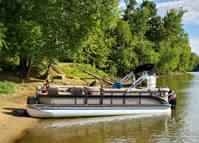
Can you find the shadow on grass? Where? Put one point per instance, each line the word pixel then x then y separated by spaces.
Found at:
pixel 19 112
pixel 9 76
pixel 13 77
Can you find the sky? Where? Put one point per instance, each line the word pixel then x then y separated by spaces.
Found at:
pixel 190 19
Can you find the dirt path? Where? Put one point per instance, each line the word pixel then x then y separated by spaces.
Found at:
pixel 11 125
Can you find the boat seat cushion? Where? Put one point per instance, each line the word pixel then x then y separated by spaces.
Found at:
pixel 52 91
pixel 77 91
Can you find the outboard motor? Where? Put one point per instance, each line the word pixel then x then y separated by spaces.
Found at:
pixel 172 99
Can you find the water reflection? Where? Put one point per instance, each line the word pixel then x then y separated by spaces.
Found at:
pixel 145 129
pixel 181 127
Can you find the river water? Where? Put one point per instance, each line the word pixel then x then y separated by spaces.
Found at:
pixel 181 127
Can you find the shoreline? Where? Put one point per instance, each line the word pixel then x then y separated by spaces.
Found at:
pixel 12 127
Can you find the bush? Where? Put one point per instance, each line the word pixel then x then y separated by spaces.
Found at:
pixel 7 87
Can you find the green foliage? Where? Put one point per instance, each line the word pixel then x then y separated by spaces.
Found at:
pixel 76 70
pixel 29 40
pixel 172 23
pixel 174 46
pixel 2 35
pixel 169 57
pixel 37 33
pixel 3 43
pixel 122 57
pixel 185 54
pixel 7 87
pixel 155 32
pixel 95 50
pixel 194 62
pixel 130 7
pixel 149 8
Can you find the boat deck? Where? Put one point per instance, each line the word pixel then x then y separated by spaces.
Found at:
pixel 95 105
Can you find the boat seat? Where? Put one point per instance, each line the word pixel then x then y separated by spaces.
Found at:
pixel 93 90
pixel 52 91
pixel 77 91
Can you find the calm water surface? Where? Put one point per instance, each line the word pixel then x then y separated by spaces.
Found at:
pixel 182 127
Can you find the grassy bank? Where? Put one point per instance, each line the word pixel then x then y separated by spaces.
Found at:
pixel 7 87
pixel 74 73
pixel 77 70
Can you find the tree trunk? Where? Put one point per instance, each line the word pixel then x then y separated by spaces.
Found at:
pixel 24 67
pixel 29 66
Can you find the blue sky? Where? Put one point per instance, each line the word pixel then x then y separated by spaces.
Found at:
pixel 190 19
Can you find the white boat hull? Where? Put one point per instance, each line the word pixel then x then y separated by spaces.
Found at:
pixel 96 111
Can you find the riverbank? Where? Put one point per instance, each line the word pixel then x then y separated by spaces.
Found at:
pixel 12 125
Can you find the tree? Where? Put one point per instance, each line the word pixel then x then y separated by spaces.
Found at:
pixel 155 33
pixel 2 36
pixel 194 62
pixel 185 53
pixel 3 44
pixel 123 56
pixel 174 48
pixel 63 26
pixel 172 23
pixel 33 32
pixel 95 49
pixel 149 7
pixel 145 52
pixel 169 56
pixel 29 45
pixel 96 42
pixel 130 7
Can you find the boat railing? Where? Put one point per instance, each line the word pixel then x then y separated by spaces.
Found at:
pixel 101 100
pixel 106 97
pixel 91 91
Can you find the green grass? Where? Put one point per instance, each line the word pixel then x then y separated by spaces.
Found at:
pixel 75 70
pixel 7 87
